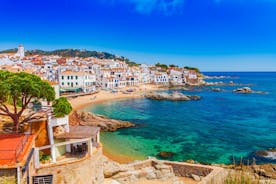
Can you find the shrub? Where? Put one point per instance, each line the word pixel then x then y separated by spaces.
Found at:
pixel 61 107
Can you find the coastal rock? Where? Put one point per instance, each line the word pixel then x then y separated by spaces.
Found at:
pixel 139 170
pixel 261 153
pixel 105 123
pixel 175 96
pixel 246 90
pixel 166 154
pixel 190 161
pixel 216 89
pixel 196 177
pixel 112 168
pixel 243 90
pixel 265 170
pixel 269 154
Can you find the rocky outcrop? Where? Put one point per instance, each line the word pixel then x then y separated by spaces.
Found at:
pixel 175 96
pixel 243 90
pixel 216 89
pixel 269 154
pixel 166 154
pixel 221 83
pixel 145 170
pixel 266 170
pixel 247 90
pixel 105 123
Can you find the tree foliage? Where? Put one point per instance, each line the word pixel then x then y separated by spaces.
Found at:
pixel 163 66
pixel 18 90
pixel 61 107
pixel 173 66
pixel 192 68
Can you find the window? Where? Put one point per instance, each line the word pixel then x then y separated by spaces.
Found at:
pixel 62 77
pixel 77 84
pixel 76 77
pixel 62 83
pixel 68 77
pixel 72 77
pixel 68 83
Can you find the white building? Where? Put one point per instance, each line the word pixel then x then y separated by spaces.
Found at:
pixel 160 78
pixel 176 77
pixel 77 80
pixel 20 52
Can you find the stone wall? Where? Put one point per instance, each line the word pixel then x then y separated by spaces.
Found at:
pixel 7 176
pixel 141 170
pixel 186 170
pixel 88 170
pixel 205 174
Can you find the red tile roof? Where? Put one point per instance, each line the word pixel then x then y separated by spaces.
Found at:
pixel 14 148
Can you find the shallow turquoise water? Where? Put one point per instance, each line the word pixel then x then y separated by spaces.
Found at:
pixel 213 130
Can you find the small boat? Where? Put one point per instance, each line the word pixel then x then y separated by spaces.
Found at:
pixel 130 90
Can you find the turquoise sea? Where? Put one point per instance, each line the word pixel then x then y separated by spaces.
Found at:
pixel 219 127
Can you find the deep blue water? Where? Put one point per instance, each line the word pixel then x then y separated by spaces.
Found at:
pixel 220 126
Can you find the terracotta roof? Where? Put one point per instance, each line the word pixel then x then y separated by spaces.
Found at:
pixel 79 132
pixel 74 73
pixel 14 148
pixel 51 82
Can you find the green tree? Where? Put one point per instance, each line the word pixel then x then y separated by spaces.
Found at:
pixel 61 107
pixel 17 90
pixel 173 66
pixel 163 66
pixel 192 68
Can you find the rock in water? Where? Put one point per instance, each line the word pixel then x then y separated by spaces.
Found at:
pixel 89 119
pixel 166 154
pixel 175 96
pixel 243 90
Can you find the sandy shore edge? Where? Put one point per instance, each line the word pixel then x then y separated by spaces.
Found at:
pixel 106 96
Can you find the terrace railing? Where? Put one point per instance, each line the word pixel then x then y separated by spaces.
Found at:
pixel 13 154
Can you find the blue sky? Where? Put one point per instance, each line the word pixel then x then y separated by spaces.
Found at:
pixel 214 35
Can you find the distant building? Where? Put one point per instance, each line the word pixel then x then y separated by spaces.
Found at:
pixel 61 61
pixel 20 52
pixel 160 78
pixel 82 81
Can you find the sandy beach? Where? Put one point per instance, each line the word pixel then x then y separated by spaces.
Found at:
pixel 105 96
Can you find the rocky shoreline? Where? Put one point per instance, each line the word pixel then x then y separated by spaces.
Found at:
pixel 175 96
pixel 247 90
pixel 106 124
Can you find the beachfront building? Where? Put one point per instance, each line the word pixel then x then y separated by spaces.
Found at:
pixel 77 81
pixel 113 82
pixel 160 78
pixel 176 76
pixel 191 77
pixel 145 74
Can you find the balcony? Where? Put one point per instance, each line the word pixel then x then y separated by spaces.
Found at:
pixel 59 121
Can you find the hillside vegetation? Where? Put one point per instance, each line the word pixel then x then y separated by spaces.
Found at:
pixel 74 53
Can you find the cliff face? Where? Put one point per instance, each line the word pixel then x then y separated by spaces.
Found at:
pixel 89 119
